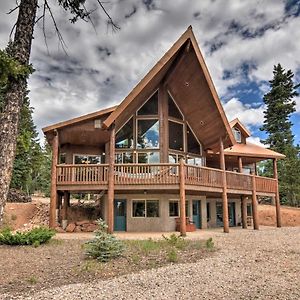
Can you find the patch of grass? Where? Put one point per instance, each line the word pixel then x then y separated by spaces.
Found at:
pixel 56 242
pixel 172 255
pixel 210 244
pixel 13 217
pixel 32 280
pixel 90 266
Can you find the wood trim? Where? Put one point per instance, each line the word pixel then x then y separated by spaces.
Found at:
pixel 163 124
pixel 241 127
pixel 53 196
pixel 277 199
pixel 240 162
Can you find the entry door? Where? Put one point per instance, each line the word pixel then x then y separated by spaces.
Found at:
pixel 231 213
pixel 120 215
pixel 197 213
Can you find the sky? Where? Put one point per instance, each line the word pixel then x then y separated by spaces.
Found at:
pixel 241 41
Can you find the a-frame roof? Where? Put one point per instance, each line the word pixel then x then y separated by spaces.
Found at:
pixel 161 67
pixel 246 133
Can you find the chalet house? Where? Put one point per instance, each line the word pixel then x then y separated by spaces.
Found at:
pixel 165 158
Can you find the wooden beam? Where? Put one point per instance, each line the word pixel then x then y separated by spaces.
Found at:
pixel 53 195
pixel 65 205
pixel 277 199
pixel 244 211
pixel 182 198
pixel 224 193
pixel 254 204
pixel 111 177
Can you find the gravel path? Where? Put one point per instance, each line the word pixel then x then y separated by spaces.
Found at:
pixel 250 264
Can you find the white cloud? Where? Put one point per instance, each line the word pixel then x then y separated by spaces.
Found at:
pixel 249 116
pixel 256 140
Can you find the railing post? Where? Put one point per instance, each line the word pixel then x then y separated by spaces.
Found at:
pixel 182 198
pixel 111 177
pixel 64 218
pixel 277 199
pixel 224 193
pixel 254 204
pixel 53 195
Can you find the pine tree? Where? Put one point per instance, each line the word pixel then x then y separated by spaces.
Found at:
pixel 280 105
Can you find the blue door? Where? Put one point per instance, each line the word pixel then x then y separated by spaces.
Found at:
pixel 197 213
pixel 120 215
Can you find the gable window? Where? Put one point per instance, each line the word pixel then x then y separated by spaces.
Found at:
pixel 147 134
pixel 150 107
pixel 176 136
pixel 124 137
pixel 145 208
pixel 237 134
pixel 193 145
pixel 173 109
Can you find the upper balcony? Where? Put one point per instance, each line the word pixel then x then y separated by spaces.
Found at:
pixel 160 177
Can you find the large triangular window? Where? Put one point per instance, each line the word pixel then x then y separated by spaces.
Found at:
pixel 124 137
pixel 193 145
pixel 173 109
pixel 150 107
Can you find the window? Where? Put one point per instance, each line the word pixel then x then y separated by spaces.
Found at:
pixel 124 137
pixel 124 158
pixel 173 109
pixel 62 158
pixel 196 161
pixel 193 145
pixel 175 136
pixel 148 157
pixel 237 134
pixel 87 159
pixel 145 208
pixel 148 134
pixel 187 211
pixel 173 209
pixel 150 107
pixel 208 211
pixel 138 208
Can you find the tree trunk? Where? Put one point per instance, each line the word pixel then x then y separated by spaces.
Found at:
pixel 13 96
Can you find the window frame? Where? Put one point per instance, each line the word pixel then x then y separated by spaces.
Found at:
pixel 174 201
pixel 145 118
pixel 133 134
pixel 87 155
pixel 237 134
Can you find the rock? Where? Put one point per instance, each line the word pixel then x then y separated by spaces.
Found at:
pixel 77 229
pixel 71 227
pixel 59 230
pixel 91 228
pixel 80 223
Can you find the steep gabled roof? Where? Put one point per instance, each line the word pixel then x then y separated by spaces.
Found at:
pixel 246 133
pixel 161 68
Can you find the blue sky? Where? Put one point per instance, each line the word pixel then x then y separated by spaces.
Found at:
pixel 241 41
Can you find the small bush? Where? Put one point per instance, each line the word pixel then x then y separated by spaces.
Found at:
pixel 176 241
pixel 209 244
pixel 34 237
pixel 103 246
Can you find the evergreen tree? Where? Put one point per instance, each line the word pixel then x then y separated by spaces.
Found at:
pixel 280 105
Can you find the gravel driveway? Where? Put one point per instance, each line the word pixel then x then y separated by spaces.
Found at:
pixel 250 264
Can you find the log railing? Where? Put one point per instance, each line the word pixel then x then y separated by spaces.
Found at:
pixel 160 174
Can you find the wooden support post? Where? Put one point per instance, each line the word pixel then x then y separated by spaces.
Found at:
pixel 182 198
pixel 65 205
pixel 254 205
pixel 277 199
pixel 224 193
pixel 111 178
pixel 53 195
pixel 163 123
pixel 244 211
pixel 240 164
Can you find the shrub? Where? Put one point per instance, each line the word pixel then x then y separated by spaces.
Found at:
pixel 175 240
pixel 172 255
pixel 103 246
pixel 34 237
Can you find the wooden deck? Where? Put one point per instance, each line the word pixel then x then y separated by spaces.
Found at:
pixel 159 177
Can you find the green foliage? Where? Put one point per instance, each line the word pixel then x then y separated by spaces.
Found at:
pixel 175 240
pixel 103 246
pixel 33 237
pixel 280 105
pixel 11 69
pixel 209 244
pixel 172 255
